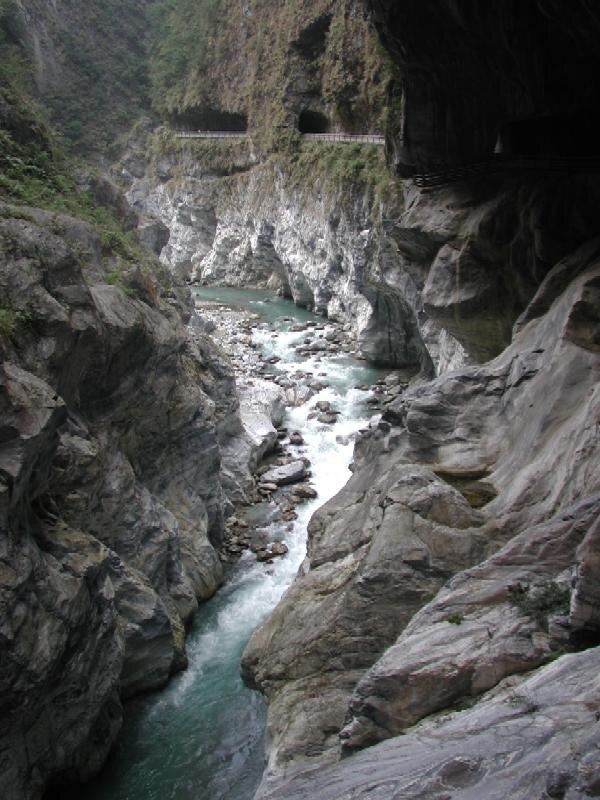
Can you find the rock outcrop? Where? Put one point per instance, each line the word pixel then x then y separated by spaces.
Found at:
pixel 504 452
pixel 518 81
pixel 261 409
pixel 330 250
pixel 427 284
pixel 111 500
pixel 531 738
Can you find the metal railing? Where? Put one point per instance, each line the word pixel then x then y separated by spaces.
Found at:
pixel 442 175
pixel 542 165
pixel 211 134
pixel 350 138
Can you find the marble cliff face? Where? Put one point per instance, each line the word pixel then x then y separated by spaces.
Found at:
pixel 111 495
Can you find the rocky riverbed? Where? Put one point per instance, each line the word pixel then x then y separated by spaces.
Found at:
pixel 280 477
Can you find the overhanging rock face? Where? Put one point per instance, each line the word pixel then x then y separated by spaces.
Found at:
pixel 524 72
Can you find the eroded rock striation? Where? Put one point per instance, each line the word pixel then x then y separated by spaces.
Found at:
pixel 111 498
pixel 535 738
pixel 329 250
pixel 468 462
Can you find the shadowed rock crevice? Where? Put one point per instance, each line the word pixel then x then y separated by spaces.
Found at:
pixel 311 41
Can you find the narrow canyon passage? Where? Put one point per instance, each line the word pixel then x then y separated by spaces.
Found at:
pixel 202 737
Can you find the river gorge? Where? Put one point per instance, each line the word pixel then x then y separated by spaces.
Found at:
pixel 299 400
pixel 203 736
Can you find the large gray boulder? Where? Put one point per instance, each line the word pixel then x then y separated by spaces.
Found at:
pixel 261 409
pixel 294 472
pixel 503 617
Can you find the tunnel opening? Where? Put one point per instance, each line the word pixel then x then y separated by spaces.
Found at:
pixel 562 136
pixel 313 122
pixel 210 119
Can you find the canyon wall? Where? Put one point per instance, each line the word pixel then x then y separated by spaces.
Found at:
pixel 460 555
pixel 115 415
pixel 329 241
pixel 271 68
pixel 110 483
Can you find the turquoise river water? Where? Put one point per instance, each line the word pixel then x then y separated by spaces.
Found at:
pixel 201 738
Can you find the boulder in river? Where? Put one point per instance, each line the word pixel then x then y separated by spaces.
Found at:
pixel 296 439
pixel 294 472
pixel 267 487
pixel 305 491
pixel 272 550
pixel 298 395
pixel 328 417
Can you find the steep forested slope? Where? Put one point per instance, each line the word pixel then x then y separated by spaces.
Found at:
pixel 267 63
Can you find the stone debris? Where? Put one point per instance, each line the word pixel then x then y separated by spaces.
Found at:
pixel 293 472
pixel 272 550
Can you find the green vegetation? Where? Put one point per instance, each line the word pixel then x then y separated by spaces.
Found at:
pixel 539 602
pixel 39 173
pixel 262 58
pixel 219 157
pixel 357 72
pixel 103 64
pixel 36 169
pixel 95 70
pixel 181 52
pixel 32 168
pixel 10 320
pixel 347 169
pixel 456 618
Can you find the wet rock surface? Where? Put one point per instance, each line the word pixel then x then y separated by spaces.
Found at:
pixel 277 479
